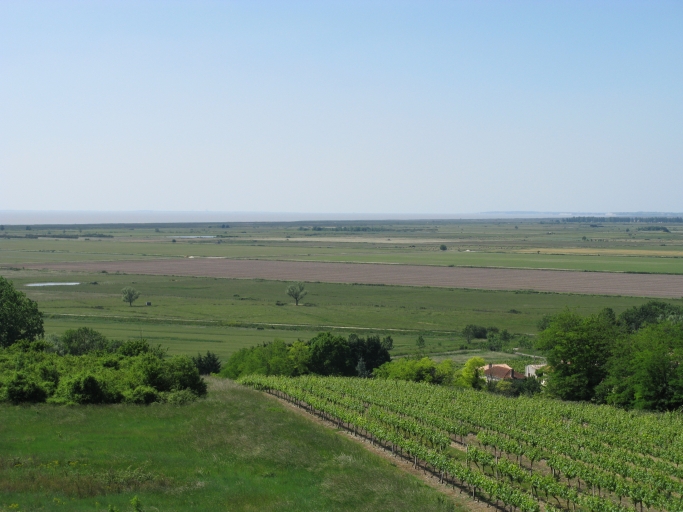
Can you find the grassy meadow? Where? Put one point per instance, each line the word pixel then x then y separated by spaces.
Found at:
pixel 237 450
pixel 191 314
pixel 609 247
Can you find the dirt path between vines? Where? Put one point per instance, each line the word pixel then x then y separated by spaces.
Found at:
pixel 597 283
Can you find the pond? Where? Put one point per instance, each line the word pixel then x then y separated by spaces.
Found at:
pixel 193 236
pixel 53 284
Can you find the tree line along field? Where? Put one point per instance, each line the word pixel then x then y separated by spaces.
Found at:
pixel 533 244
pixel 522 454
pixel 191 314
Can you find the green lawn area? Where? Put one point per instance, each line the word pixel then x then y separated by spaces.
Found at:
pixel 237 450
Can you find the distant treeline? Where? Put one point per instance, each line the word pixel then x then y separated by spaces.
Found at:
pixel 350 228
pixel 61 235
pixel 624 219
pixel 361 228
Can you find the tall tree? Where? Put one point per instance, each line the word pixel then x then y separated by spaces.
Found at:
pixel 297 291
pixel 130 295
pixel 19 316
pixel 645 370
pixel 578 349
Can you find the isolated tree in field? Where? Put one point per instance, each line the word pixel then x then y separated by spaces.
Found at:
pixel 443 247
pixel 297 291
pixel 19 316
pixel 130 295
pixel 420 342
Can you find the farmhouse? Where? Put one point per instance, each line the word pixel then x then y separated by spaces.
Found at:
pixel 496 372
pixel 530 369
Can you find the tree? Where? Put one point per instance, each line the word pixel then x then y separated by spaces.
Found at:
pixel 578 349
pixel 361 370
pixel 388 343
pixel 644 371
pixel 208 364
pixel 470 376
pixel 420 342
pixel 443 247
pixel 649 313
pixel 297 291
pixel 130 295
pixel 331 355
pixel 19 316
pixel 83 340
pixel 371 350
pixel 299 355
pixel 474 331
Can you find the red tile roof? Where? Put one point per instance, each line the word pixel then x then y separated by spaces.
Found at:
pixel 500 372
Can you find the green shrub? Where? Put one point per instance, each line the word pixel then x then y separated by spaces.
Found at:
pixel 81 341
pixel 325 354
pixel 183 375
pixel 142 395
pixel 180 397
pixel 21 387
pixel 30 373
pixel 83 388
pixel 133 348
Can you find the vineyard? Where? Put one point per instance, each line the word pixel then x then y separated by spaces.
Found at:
pixel 520 454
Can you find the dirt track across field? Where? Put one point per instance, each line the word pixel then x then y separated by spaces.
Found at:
pixel 601 283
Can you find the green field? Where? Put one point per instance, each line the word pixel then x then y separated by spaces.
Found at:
pixel 534 244
pixel 190 314
pixel 237 450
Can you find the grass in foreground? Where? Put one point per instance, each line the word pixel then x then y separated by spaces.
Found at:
pixel 236 450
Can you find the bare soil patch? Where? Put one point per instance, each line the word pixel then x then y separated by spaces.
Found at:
pixel 598 283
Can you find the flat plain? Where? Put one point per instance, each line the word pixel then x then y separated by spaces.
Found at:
pixel 606 247
pixel 220 286
pixel 237 449
pixel 605 283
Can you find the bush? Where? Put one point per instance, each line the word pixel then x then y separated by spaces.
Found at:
pixel 22 388
pixel 325 354
pixel 84 340
pixel 183 375
pixel 83 388
pixel 180 397
pixel 474 331
pixel 417 370
pixel 133 348
pixel 95 378
pixel 142 395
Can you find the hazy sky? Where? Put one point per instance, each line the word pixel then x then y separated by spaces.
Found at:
pixel 377 107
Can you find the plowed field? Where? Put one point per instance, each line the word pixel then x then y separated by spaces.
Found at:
pixel 638 285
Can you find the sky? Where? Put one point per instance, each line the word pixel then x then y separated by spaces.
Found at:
pixel 344 107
